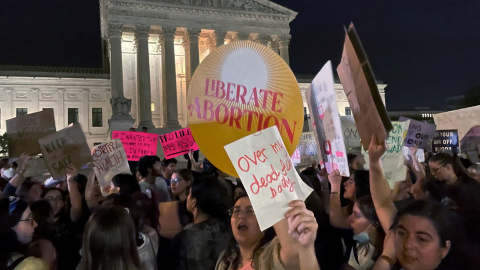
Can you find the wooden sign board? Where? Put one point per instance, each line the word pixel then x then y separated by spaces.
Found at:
pixel 24 131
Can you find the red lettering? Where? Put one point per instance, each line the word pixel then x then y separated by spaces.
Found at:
pixel 230 91
pixel 274 193
pixel 220 86
pixel 241 96
pixel 276 101
pixel 207 105
pixel 218 114
pixel 235 118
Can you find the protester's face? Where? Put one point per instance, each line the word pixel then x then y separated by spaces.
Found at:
pixel 54 197
pixel 358 221
pixel 190 202
pixel 417 244
pixel 170 168
pixel 178 184
pixel 157 168
pixel 25 227
pixel 237 192
pixel 244 223
pixel 34 193
pixel 439 170
pixel 349 189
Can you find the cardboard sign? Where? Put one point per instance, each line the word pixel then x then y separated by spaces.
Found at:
pixel 24 131
pixel 67 146
pixel 393 160
pixel 306 152
pixel 109 159
pixel 462 119
pixel 445 140
pixel 177 143
pixel 407 154
pixel 419 133
pixel 361 90
pixel 351 137
pixel 237 90
pixel 270 179
pixel 137 144
pixel 471 140
pixel 328 128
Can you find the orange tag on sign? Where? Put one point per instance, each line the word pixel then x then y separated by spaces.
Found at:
pixel 239 89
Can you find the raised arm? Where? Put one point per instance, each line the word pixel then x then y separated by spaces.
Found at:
pixel 378 184
pixel 303 229
pixel 337 218
pixel 93 193
pixel 18 178
pixel 418 170
pixel 195 165
pixel 75 196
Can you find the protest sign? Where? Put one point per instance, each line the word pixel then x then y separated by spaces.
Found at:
pixel 268 175
pixel 306 152
pixel 393 160
pixel 137 144
pixel 328 128
pixel 361 90
pixel 445 140
pixel 462 119
pixel 419 133
pixel 471 140
pixel 177 143
pixel 407 154
pixel 237 90
pixel 109 159
pixel 24 131
pixel 350 134
pixel 66 146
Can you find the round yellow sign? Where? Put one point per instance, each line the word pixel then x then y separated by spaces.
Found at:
pixel 237 90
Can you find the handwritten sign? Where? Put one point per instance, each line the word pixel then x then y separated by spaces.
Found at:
pixel 137 144
pixel 306 152
pixel 350 134
pixel 66 146
pixel 328 128
pixel 24 131
pixel 445 140
pixel 462 119
pixel 177 143
pixel 237 90
pixel 109 159
pixel 393 160
pixel 361 90
pixel 419 133
pixel 407 153
pixel 471 140
pixel 263 163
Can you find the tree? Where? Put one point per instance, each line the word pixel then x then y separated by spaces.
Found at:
pixel 470 98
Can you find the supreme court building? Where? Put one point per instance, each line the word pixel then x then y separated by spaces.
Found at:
pixel 152 48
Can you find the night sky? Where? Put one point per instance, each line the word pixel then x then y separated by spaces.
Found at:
pixel 424 50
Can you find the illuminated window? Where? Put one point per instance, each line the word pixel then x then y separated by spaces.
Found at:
pixel 152 106
pixel 347 111
pixel 72 115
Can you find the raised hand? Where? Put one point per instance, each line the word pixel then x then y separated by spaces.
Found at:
pixel 301 223
pixel 376 149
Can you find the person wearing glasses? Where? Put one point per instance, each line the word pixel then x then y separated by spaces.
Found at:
pixel 291 248
pixel 16 231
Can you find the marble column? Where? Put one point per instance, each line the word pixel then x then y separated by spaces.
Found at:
pixel 283 43
pixel 143 77
pixel 274 44
pixel 193 37
pixel 186 48
pixel 220 37
pixel 170 78
pixel 116 68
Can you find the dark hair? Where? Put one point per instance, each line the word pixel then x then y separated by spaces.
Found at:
pixel 109 240
pixel 365 204
pixel 10 214
pixel 362 183
pixel 42 212
pixel 45 191
pixel 166 162
pixel 444 220
pixel 186 174
pixel 145 163
pixel 232 256
pixel 208 193
pixel 22 191
pixel 209 168
pixel 126 182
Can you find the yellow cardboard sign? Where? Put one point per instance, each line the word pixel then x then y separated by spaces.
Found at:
pixel 239 89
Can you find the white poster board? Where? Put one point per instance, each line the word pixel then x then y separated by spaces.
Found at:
pixel 109 159
pixel 462 119
pixel 328 128
pixel 268 175
pixel 419 133
pixel 306 152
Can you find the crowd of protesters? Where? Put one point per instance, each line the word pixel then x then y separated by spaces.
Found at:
pixel 164 217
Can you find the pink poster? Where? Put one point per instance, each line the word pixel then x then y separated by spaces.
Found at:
pixel 177 143
pixel 137 144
